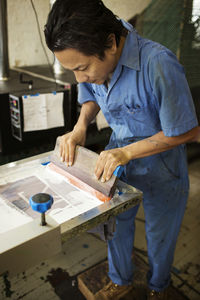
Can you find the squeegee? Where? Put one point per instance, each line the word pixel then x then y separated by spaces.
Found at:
pixel 81 173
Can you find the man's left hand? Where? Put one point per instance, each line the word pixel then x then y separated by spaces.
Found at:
pixel 108 161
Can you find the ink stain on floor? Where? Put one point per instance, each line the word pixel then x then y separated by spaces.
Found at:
pixel 64 286
pixel 7 284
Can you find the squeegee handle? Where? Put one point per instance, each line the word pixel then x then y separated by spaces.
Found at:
pixel 118 171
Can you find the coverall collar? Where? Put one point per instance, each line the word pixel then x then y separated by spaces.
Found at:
pixel 130 52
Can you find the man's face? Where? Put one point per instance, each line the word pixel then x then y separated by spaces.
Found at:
pixel 88 68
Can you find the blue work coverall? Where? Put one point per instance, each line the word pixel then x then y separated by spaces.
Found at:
pixel 148 92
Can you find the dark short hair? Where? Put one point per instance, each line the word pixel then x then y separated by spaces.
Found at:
pixel 84 25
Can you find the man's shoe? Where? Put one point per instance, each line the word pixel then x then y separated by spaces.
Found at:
pixel 153 295
pixel 113 291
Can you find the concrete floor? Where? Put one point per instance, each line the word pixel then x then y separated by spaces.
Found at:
pixel 55 279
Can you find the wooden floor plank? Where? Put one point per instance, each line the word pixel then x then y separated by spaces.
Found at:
pixel 92 281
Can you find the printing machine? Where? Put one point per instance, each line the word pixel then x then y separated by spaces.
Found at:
pixel 32 81
pixel 12 135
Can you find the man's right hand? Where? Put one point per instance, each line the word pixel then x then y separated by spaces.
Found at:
pixel 77 136
pixel 68 144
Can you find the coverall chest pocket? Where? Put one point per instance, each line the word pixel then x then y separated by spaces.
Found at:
pixel 99 94
pixel 117 115
pixel 142 120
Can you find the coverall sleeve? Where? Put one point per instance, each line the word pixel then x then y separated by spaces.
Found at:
pixel 172 94
pixel 85 93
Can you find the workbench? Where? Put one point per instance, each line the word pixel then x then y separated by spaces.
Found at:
pixel 24 242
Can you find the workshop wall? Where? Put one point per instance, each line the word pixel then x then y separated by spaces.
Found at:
pixel 23 39
pixel 126 9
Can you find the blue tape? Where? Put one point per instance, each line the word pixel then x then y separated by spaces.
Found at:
pixel 45 163
pixel 33 95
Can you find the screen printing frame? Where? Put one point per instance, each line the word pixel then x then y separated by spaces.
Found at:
pixel 51 237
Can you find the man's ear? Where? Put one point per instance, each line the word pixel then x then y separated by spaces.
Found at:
pixel 112 43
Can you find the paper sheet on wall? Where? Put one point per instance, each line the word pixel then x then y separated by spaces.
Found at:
pixel 43 111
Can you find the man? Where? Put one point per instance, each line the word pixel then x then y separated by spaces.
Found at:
pixel 141 89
